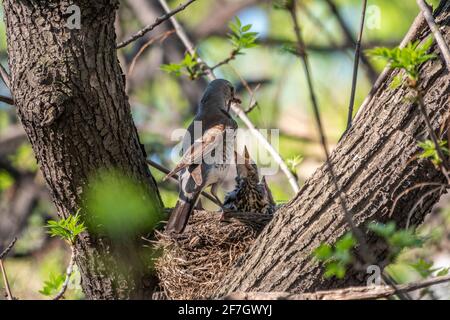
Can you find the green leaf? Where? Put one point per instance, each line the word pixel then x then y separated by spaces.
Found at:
pixel 238 22
pixel 323 252
pixel 423 267
pixel 443 272
pixel 383 230
pixel 52 285
pixel 246 28
pixel 405 239
pixel 67 228
pixel 346 243
pixel 430 152
pixel 409 58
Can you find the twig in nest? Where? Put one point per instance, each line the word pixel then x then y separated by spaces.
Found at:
pixel 193 264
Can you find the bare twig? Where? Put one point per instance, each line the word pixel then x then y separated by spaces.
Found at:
pixel 349 37
pixel 334 44
pixel 5 76
pixel 8 249
pixel 352 293
pixel 411 34
pixel 433 135
pixel 253 102
pixel 420 201
pixel 161 37
pixel 2 269
pixel 7 100
pixel 443 46
pixel 323 140
pixel 356 66
pixel 175 178
pixel 69 271
pixel 417 186
pixel 231 57
pixel 236 109
pixel 365 251
pixel 152 26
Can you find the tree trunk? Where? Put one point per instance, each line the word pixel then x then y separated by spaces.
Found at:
pixel 374 162
pixel 70 97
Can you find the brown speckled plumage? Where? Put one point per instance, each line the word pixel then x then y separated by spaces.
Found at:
pixel 250 194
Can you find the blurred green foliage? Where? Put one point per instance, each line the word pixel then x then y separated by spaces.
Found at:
pixel 119 206
pixel 337 258
pixel 430 152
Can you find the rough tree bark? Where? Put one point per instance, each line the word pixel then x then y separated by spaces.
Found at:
pixel 374 163
pixel 70 97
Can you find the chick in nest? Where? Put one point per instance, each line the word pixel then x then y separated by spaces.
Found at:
pixel 250 194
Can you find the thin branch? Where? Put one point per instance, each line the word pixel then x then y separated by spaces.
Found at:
pixel 152 26
pixel 411 34
pixel 352 293
pixel 5 76
pixel 8 249
pixel 349 36
pixel 417 186
pixel 365 252
pixel 433 135
pixel 420 202
pixel 69 272
pixel 236 109
pixel 226 61
pixel 3 270
pixel 335 45
pixel 253 102
pixel 175 177
pixel 6 281
pixel 356 66
pixel 443 46
pixel 161 37
pixel 7 100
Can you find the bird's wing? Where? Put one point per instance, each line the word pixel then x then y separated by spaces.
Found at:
pixel 200 148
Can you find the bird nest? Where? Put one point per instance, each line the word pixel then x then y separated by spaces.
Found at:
pixel 192 264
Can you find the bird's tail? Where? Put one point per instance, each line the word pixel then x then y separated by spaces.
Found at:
pixel 180 215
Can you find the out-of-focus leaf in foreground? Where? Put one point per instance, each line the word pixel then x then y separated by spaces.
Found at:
pixel 119 206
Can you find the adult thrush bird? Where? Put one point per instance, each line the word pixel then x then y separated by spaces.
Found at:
pixel 250 194
pixel 208 155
